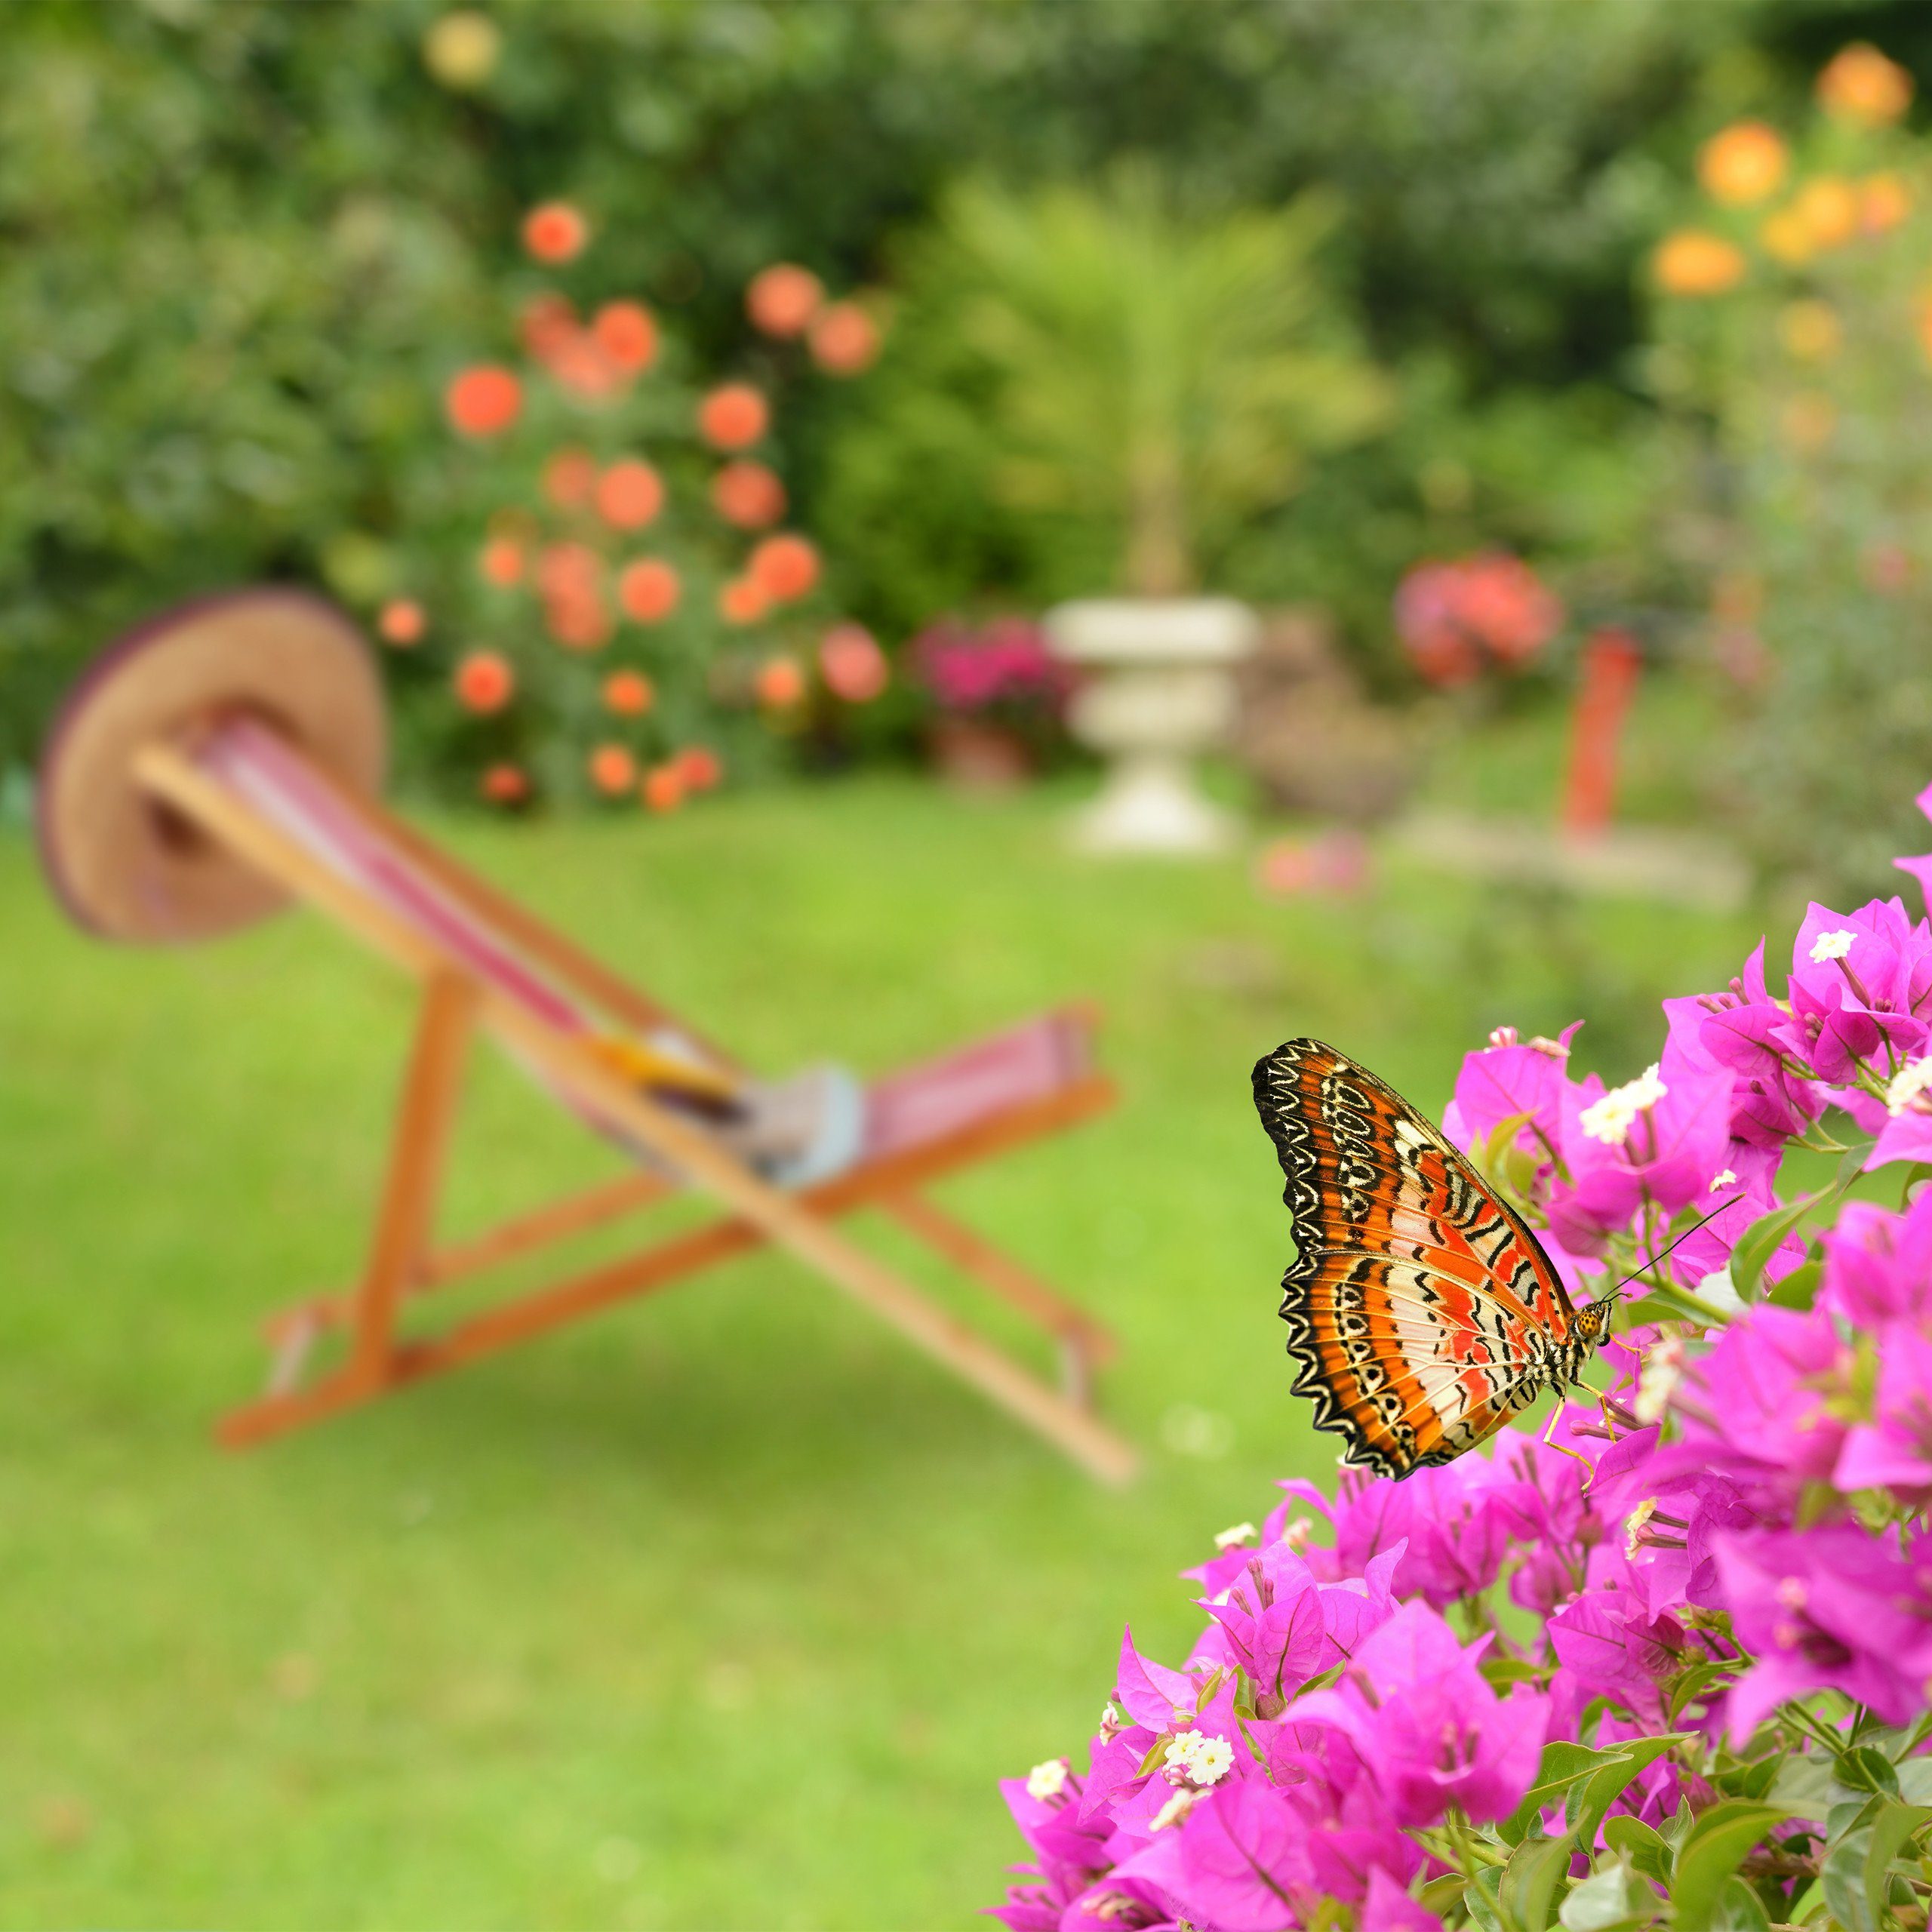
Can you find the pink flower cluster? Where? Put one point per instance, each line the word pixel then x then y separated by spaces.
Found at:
pixel 1453 619
pixel 1720 1570
pixel 1002 664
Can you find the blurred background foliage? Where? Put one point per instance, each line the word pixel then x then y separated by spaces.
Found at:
pixel 242 244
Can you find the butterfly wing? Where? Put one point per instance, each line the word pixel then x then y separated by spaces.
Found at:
pixel 1420 1306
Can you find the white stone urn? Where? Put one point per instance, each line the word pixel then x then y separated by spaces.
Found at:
pixel 1159 691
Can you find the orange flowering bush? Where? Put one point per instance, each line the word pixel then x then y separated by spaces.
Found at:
pixel 596 597
pixel 1794 323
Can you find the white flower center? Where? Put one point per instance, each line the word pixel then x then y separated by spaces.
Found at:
pixel 1203 1760
pixel 1633 1530
pixel 1610 1119
pixel 1237 1533
pixel 1048 1780
pixel 1176 1808
pixel 1908 1086
pixel 1663 1364
pixel 1727 1179
pixel 1831 945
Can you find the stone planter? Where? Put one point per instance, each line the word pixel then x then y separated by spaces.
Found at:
pixel 1157 691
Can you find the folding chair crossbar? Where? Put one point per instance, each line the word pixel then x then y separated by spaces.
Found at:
pixel 485 962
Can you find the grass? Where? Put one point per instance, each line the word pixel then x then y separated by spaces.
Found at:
pixel 725 1610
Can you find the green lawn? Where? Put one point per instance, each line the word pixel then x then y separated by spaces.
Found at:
pixel 725 1610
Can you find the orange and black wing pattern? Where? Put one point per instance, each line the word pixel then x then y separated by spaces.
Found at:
pixel 1421 1308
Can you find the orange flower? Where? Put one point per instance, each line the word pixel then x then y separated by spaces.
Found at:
pixel 483 400
pixel 1692 263
pixel 743 601
pixel 1828 208
pixel 699 767
pixel 579 622
pixel 782 299
pixel 648 590
pixel 854 666
pixel 845 339
pixel 613 770
pixel 781 682
pixel 663 787
pixel 1884 202
pixel 733 417
pixel 784 567
pixel 502 562
pixel 569 570
pixel 402 621
pixel 1859 84
pixel 629 494
pixel 569 477
pixel 748 494
pixel 504 785
pixel 1743 164
pixel 628 693
pixel 580 364
pixel 555 231
pixel 484 682
pixel 548 322
pixel 626 334
pixel 1810 330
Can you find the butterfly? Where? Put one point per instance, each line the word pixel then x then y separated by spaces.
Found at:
pixel 1422 1310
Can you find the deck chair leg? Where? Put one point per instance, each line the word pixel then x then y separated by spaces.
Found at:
pixel 403 1224
pixel 407 1216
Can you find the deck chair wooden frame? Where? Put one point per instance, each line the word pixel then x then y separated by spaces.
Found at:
pixel 404 1261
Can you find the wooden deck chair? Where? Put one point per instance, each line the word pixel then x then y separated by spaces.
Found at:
pixel 227 757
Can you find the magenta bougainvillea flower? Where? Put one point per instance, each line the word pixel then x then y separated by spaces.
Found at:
pixel 1720 1568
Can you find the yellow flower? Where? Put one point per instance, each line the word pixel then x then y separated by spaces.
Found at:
pixel 1828 208
pixel 1808 420
pixel 1860 84
pixel 1884 201
pixel 1810 330
pixel 1692 261
pixel 461 50
pixel 1744 163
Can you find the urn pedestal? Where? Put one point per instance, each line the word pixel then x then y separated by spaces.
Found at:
pixel 1157 692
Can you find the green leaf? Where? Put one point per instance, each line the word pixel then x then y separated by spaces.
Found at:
pixel 1847 1815
pixel 1843 1877
pixel 1635 1842
pixel 1562 1764
pixel 1915 1780
pixel 1806 1785
pixel 1479 1898
pixel 1500 1141
pixel 1717 1845
pixel 1594 1793
pixel 1892 1831
pixel 1529 1881
pixel 1864 1768
pixel 1799 1289
pixel 1759 1242
pixel 1739 1909
pixel 1601 1900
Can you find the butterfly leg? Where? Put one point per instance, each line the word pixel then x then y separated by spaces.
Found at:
pixel 1548 1436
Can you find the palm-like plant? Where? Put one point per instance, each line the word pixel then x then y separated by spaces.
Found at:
pixel 1163 377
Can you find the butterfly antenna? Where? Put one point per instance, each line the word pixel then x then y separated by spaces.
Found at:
pixel 1662 1254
